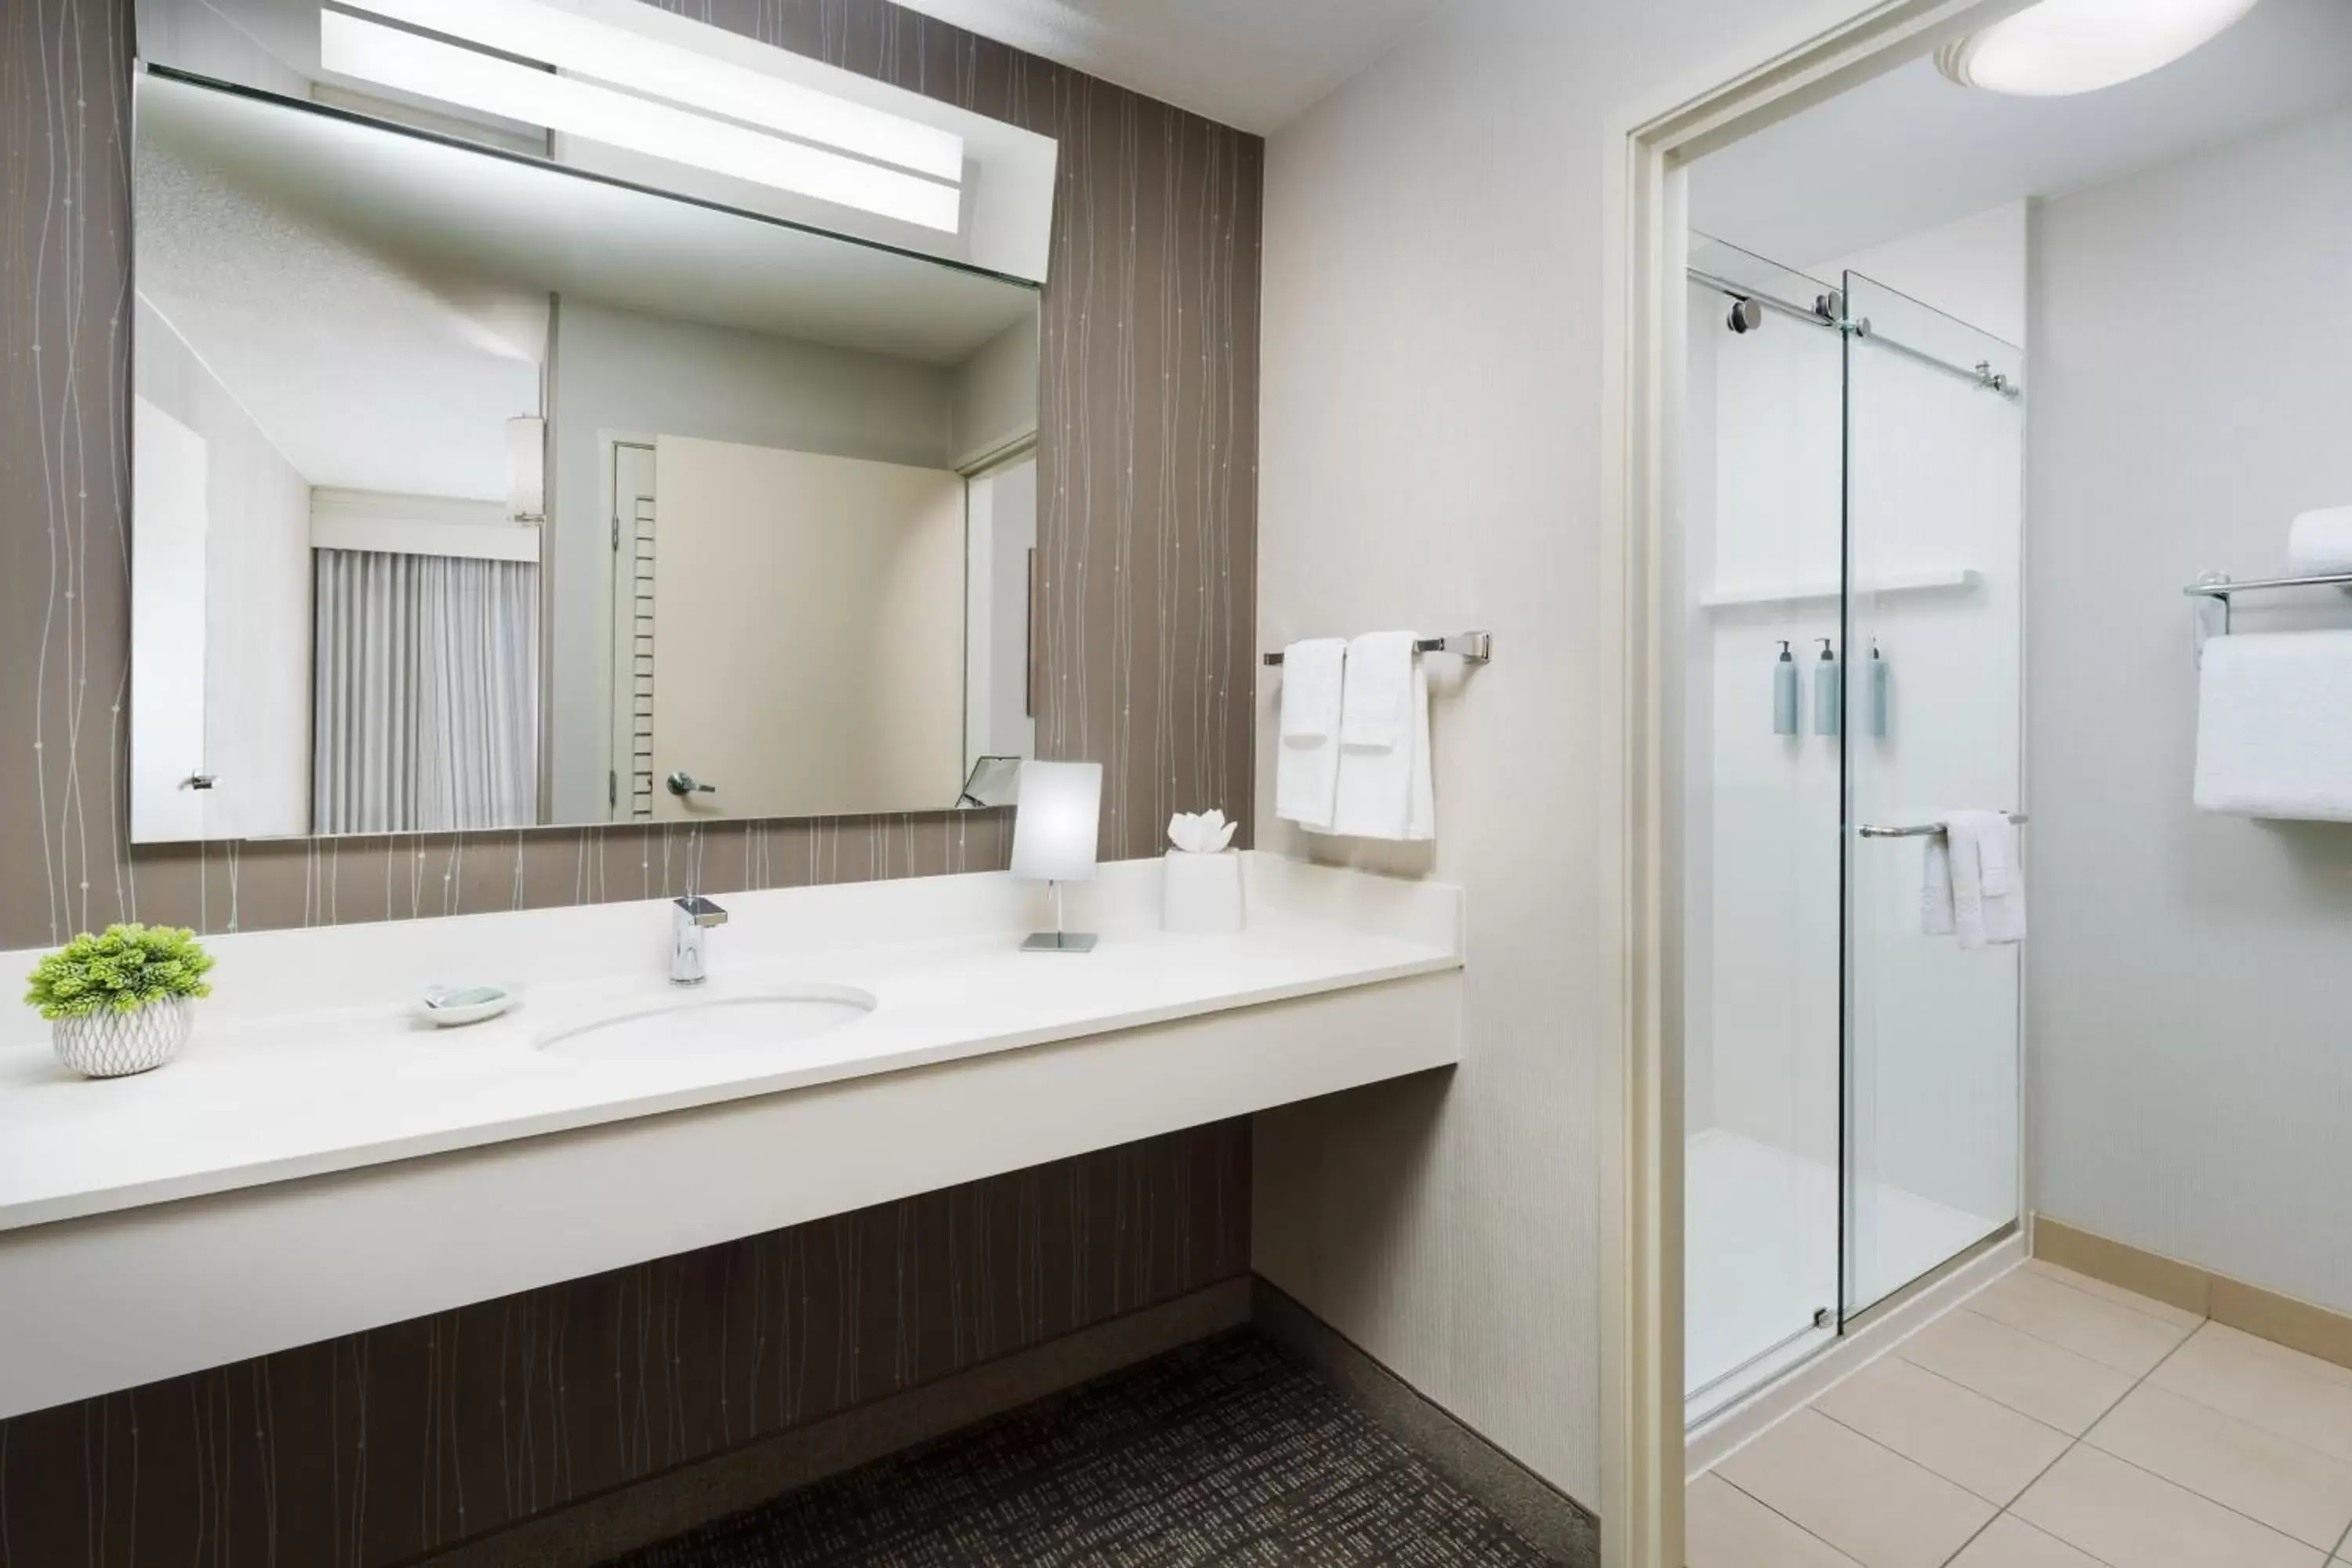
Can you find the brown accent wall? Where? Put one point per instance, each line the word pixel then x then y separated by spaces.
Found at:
pixel 1147 485
pixel 371 1448
pixel 374 1448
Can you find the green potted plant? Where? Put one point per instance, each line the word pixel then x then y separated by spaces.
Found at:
pixel 123 1001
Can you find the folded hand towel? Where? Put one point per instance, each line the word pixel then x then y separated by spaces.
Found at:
pixel 1979 840
pixel 2321 541
pixel 1381 666
pixel 1307 761
pixel 2275 725
pixel 1386 790
pixel 1312 675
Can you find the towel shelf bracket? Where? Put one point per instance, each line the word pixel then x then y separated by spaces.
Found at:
pixel 1921 829
pixel 1474 647
pixel 2218 587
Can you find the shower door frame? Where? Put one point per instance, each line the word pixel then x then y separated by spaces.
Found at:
pixel 1803 61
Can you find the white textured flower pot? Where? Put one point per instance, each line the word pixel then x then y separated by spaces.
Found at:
pixel 115 1044
pixel 1201 893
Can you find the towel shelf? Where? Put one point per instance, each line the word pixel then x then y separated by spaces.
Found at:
pixel 1474 647
pixel 2217 585
pixel 1921 829
pixel 2221 587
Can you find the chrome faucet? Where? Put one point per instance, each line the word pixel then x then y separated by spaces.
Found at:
pixel 690 919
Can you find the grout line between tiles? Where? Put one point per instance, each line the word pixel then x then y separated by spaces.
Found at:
pixel 2110 1301
pixel 2072 1442
pixel 2012 1409
pixel 1978 1393
pixel 2187 1398
pixel 1826 1542
pixel 1930 1468
pixel 2078 1355
pixel 2012 1513
pixel 2085 1441
pixel 2217 1502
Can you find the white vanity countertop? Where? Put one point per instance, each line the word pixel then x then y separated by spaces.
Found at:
pixel 261 1097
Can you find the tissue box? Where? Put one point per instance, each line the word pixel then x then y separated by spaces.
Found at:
pixel 1201 893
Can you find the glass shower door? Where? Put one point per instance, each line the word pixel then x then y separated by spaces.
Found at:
pixel 1933 639
pixel 1759 830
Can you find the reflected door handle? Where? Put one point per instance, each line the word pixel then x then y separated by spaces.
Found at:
pixel 682 782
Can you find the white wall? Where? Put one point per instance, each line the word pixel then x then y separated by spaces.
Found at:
pixel 2191 1086
pixel 1973 268
pixel 619 373
pixel 996 397
pixel 1431 429
pixel 256 596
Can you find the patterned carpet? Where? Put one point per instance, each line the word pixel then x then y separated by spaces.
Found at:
pixel 1229 1452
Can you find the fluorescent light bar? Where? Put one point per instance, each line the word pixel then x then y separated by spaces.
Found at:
pixel 409 63
pixel 575 43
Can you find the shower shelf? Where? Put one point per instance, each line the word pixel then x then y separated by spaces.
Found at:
pixel 1959 580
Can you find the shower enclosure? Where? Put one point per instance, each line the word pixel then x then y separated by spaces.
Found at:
pixel 1850 493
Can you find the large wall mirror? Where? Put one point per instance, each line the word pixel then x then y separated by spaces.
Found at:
pixel 472 490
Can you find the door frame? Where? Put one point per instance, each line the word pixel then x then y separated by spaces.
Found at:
pixel 1803 62
pixel 613 686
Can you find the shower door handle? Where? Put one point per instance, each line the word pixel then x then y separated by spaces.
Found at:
pixel 1921 830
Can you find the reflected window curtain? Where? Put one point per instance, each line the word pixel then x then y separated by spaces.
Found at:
pixel 425 693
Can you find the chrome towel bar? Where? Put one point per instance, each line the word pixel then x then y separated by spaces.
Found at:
pixel 1476 647
pixel 1921 830
pixel 2216 585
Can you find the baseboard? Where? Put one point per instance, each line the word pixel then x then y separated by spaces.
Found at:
pixel 2266 1314
pixel 1554 1522
pixel 598 1528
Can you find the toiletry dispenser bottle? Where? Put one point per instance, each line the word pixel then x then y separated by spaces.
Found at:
pixel 1882 698
pixel 1829 692
pixel 1784 693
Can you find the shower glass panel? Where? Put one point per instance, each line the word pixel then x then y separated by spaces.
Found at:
pixel 1934 529
pixel 1758 567
pixel 1851 483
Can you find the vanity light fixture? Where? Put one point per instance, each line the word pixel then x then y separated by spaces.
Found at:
pixel 2062 46
pixel 578 44
pixel 449 73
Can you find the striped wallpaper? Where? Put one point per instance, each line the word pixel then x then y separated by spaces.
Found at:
pixel 374 1448
pixel 1147 479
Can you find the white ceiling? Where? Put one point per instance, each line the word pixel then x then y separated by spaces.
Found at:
pixel 1253 64
pixel 1910 151
pixel 365 373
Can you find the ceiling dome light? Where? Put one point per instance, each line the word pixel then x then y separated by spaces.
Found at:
pixel 2063 47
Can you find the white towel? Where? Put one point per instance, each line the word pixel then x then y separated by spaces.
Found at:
pixel 1381 666
pixel 2274 726
pixel 1935 886
pixel 1385 786
pixel 2321 541
pixel 1306 764
pixel 1978 843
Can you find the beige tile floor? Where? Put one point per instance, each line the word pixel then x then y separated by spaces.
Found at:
pixel 2051 1421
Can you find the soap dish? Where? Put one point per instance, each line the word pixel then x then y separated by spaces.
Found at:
pixel 447 1007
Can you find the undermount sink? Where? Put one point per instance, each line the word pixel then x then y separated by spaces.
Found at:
pixel 715 1026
